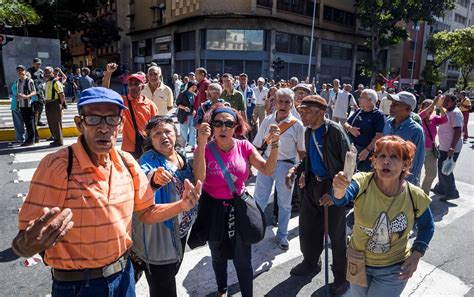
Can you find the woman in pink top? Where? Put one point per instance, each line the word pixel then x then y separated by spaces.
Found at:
pixel 430 123
pixel 216 220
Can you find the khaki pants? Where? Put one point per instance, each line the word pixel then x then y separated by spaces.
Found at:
pixel 259 113
pixel 54 115
pixel 430 170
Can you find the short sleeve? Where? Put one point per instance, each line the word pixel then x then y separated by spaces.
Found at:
pixel 380 122
pixel 48 188
pixel 170 97
pixel 457 119
pixel 246 148
pixel 58 86
pixel 420 200
pixel 143 193
pixel 300 146
pixel 259 138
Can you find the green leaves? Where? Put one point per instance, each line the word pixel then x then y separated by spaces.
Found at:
pixel 455 46
pixel 17 14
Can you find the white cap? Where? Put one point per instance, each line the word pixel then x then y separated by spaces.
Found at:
pixel 404 97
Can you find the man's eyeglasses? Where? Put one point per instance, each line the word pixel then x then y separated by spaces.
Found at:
pixel 94 120
pixel 219 123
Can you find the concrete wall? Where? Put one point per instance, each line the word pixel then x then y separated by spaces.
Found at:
pixel 24 49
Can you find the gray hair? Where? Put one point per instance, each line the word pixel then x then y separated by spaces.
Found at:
pixel 215 86
pixel 372 95
pixel 49 68
pixel 294 79
pixel 285 92
pixel 154 68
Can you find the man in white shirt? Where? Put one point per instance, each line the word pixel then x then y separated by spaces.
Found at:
pixel 292 145
pixel 260 92
pixel 177 85
pixel 341 102
pixel 157 91
pixel 382 94
pixel 450 144
pixel 384 102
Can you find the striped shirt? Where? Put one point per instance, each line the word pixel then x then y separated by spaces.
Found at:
pixel 102 206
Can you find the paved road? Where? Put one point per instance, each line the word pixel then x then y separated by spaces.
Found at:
pixel 446 270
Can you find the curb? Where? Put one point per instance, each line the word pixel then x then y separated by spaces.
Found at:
pixel 9 134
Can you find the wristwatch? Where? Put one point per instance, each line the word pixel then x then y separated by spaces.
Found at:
pixel 418 249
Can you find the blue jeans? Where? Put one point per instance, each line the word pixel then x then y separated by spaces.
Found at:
pixel 19 125
pixel 121 284
pixel 188 132
pixel 242 262
pixel 263 189
pixel 381 282
pixel 446 184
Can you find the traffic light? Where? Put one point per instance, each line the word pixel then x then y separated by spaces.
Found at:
pixel 5 34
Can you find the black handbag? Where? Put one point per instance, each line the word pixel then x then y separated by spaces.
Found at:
pixel 249 217
pixel 139 138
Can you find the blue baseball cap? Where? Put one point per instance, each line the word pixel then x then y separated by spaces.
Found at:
pixel 97 95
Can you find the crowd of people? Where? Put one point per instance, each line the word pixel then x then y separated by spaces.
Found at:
pixel 102 217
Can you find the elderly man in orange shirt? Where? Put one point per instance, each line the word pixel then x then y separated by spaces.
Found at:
pixel 140 111
pixel 79 208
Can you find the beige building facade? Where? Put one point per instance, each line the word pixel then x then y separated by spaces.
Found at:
pixel 247 36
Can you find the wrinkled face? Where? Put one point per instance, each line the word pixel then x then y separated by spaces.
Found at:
pixel 283 105
pixel 153 75
pixel 213 94
pixel 227 82
pixel 388 165
pixel 299 95
pixel 364 100
pixel 399 109
pixel 223 134
pixel 100 138
pixel 134 87
pixel 310 115
pixel 163 138
pixel 243 81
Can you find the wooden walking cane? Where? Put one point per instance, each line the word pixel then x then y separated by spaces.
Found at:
pixel 326 250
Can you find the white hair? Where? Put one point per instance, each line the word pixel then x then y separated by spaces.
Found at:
pixel 285 92
pixel 215 86
pixel 154 68
pixel 372 95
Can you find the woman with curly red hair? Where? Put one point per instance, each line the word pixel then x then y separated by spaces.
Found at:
pixel 380 259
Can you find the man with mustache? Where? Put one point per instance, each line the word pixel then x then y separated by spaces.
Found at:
pixel 80 205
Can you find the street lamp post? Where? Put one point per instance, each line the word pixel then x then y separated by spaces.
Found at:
pixel 416 28
pixel 312 39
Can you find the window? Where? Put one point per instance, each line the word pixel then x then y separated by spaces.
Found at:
pixel 214 66
pixel 266 3
pixel 336 52
pixel 304 7
pixel 338 16
pixel 412 45
pixel 185 41
pixel 464 3
pixel 235 40
pixel 253 69
pixel 460 19
pixel 293 44
pixel 411 65
pixel 184 66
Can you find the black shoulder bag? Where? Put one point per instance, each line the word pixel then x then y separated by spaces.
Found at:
pixel 249 217
pixel 139 138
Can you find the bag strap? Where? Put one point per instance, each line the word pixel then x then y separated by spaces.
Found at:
pixel 365 190
pixel 428 128
pixel 130 107
pixel 317 144
pixel 283 127
pixel 225 170
pixel 415 210
pixel 355 117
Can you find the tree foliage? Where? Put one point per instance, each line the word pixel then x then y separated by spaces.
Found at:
pixel 383 19
pixel 61 18
pixel 18 14
pixel 457 47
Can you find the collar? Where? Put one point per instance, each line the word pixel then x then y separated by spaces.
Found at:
pixel 406 122
pixel 287 119
pixel 85 161
pixel 139 99
pixel 233 92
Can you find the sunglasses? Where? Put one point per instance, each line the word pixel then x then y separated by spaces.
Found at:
pixel 219 123
pixel 95 120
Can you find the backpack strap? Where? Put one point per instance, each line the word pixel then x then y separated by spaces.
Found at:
pixel 69 162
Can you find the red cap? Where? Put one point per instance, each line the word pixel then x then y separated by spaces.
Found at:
pixel 137 76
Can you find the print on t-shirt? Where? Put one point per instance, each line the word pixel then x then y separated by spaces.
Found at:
pixel 381 233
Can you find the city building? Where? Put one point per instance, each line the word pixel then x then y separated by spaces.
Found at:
pixel 83 54
pixel 247 36
pixel 461 16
